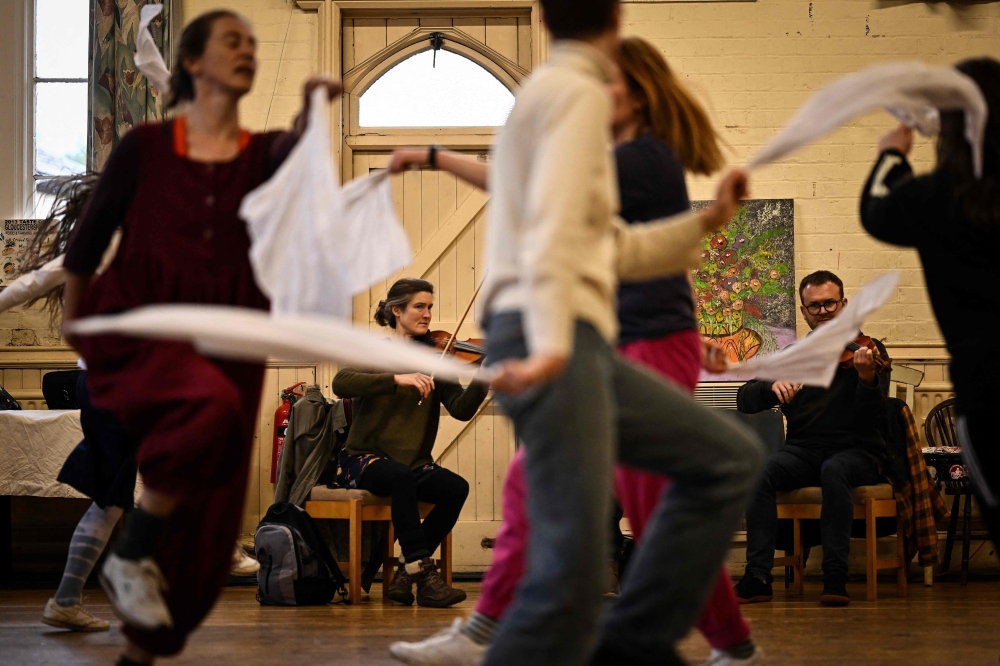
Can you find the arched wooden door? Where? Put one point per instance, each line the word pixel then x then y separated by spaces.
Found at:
pixel 444 219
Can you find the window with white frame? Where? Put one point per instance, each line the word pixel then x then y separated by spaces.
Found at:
pixel 61 108
pixel 436 89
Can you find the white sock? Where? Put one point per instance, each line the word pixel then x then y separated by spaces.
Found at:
pixel 413 567
pixel 89 539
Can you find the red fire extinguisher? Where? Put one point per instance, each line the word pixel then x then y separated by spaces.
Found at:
pixel 288 397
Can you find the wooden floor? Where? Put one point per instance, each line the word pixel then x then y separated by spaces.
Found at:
pixel 792 630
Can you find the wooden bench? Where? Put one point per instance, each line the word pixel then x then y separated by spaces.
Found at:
pixel 360 506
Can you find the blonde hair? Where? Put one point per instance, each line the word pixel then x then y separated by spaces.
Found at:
pixel 669 110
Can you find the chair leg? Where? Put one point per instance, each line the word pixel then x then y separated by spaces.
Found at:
pixel 354 566
pixel 799 550
pixel 966 537
pixel 903 566
pixel 789 571
pixel 446 559
pixel 871 550
pixel 388 561
pixel 949 543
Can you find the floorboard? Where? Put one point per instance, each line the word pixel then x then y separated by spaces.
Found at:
pixel 946 624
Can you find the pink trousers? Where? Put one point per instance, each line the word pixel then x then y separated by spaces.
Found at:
pixel 678 358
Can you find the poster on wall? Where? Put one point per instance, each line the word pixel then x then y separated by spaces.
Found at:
pixel 14 238
pixel 745 289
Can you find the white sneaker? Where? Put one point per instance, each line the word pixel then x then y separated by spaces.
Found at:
pixel 72 617
pixel 449 647
pixel 133 588
pixel 720 658
pixel 243 564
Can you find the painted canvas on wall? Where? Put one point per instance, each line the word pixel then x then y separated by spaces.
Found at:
pixel 745 289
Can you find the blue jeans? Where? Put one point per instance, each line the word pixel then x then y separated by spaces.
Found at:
pixel 792 467
pixel 602 408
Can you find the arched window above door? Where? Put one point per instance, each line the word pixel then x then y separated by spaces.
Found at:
pixel 454 92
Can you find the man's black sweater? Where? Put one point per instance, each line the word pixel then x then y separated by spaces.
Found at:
pixel 846 415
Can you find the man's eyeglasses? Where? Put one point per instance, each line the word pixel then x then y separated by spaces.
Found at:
pixel 829 306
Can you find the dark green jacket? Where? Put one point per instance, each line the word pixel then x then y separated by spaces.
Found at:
pixel 389 420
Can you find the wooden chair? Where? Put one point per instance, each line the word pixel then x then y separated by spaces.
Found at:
pixel 360 506
pixel 940 430
pixel 906 378
pixel 870 502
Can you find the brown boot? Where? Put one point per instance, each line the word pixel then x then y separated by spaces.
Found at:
pixel 431 589
pixel 401 587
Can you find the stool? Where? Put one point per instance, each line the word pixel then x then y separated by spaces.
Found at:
pixel 870 502
pixel 360 506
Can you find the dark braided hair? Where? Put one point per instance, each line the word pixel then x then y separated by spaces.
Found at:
pixel 979 198
pixel 52 237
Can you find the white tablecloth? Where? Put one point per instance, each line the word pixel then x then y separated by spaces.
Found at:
pixel 34 445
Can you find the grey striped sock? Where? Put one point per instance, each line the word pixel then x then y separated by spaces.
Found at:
pixel 89 539
pixel 480 628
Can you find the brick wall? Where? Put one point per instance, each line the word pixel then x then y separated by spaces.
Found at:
pixel 756 62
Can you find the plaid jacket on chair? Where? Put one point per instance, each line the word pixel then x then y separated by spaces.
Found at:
pixel 918 502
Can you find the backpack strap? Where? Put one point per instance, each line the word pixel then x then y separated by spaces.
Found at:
pixel 334 569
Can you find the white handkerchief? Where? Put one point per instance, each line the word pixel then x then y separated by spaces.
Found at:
pixel 813 360
pixel 378 246
pixel 253 335
pixel 33 285
pixel 913 92
pixel 148 58
pixel 297 227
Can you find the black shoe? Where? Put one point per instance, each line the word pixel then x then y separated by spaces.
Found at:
pixel 835 594
pixel 752 590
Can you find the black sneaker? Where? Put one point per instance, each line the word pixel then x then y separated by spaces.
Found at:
pixel 753 590
pixel 835 594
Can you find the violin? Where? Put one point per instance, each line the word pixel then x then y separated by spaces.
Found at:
pixel 882 363
pixel 471 351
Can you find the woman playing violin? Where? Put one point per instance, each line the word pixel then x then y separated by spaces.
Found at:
pixel 388 451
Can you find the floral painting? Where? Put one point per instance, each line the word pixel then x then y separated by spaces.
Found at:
pixel 745 289
pixel 121 98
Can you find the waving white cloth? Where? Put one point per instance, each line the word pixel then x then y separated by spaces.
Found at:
pixel 148 58
pixel 813 360
pixel 33 285
pixel 313 245
pixel 374 245
pixel 913 92
pixel 253 335
pixel 296 223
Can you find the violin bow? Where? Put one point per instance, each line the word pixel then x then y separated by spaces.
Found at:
pixel 461 321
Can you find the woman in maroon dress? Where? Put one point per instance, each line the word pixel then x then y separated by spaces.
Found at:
pixel 174 189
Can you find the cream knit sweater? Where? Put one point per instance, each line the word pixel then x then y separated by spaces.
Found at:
pixel 555 246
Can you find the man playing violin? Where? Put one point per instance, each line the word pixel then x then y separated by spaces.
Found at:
pixel 832 441
pixel 388 450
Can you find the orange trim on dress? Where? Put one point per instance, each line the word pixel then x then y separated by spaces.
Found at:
pixel 180 137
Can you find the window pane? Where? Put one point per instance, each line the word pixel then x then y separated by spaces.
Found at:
pixel 456 93
pixel 62 30
pixel 60 128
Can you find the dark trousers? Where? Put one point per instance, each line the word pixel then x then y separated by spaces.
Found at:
pixel 837 472
pixel 976 434
pixel 573 428
pixel 432 484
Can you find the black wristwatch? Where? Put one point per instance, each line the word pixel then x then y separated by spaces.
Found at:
pixel 432 156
